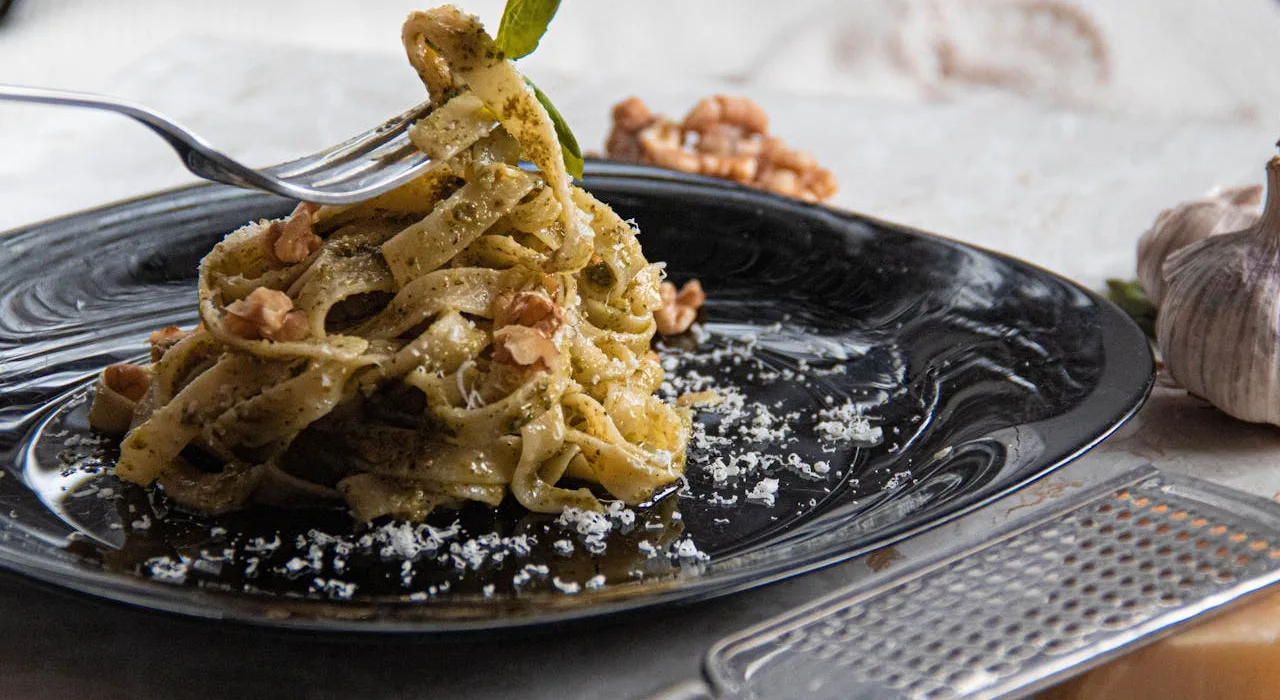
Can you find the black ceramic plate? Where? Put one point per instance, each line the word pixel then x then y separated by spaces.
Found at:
pixel 877 381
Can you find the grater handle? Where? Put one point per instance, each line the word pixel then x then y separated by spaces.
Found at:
pixel 1107 568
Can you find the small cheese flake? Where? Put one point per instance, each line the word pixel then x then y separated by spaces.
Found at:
pixel 622 516
pixel 764 492
pixel 845 424
pixel 333 588
pixel 295 566
pixel 262 545
pixel 765 427
pixel 719 499
pixel 469 554
pixel 897 480
pixel 687 551
pixel 816 471
pixel 527 573
pixel 401 540
pixel 211 567
pixel 591 526
pixel 567 587
pixel 167 569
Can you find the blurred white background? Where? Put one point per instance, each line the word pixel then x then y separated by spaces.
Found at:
pixel 988 120
pixel 1164 57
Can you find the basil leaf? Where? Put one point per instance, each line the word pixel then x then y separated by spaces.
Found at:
pixel 522 26
pixel 1132 300
pixel 568 144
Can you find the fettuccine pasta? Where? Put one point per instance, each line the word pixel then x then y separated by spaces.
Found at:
pixel 480 331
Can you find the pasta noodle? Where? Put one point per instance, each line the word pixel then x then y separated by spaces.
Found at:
pixel 484 329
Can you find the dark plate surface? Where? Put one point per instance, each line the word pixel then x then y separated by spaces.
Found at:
pixel 879 381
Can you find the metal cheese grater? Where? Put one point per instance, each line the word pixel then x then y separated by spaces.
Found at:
pixel 1035 602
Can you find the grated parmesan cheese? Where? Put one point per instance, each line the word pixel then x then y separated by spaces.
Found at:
pixel 167 569
pixel 764 492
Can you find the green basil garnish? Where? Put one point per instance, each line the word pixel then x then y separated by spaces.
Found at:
pixel 522 26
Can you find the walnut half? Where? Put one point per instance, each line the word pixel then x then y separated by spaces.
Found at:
pixel 723 110
pixel 532 309
pixel 524 325
pixel 524 328
pixel 266 314
pixel 164 339
pixel 129 381
pixel 679 309
pixel 292 240
pixel 524 346
pixel 630 117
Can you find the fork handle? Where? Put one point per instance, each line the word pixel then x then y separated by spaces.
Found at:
pixel 199 156
pixel 72 98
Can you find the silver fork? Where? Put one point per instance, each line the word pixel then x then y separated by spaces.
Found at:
pixel 361 167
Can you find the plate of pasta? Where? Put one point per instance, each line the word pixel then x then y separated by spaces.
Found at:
pixel 481 401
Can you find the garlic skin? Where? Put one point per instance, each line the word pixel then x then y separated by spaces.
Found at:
pixel 1219 326
pixel 1220 211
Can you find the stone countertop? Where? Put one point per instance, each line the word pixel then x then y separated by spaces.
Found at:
pixel 1068 189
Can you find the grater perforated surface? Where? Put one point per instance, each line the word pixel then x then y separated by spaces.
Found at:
pixel 1112 566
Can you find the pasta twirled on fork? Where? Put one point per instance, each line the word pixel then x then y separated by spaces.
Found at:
pixel 480 330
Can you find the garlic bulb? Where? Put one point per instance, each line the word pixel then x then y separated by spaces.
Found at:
pixel 1219 326
pixel 1220 211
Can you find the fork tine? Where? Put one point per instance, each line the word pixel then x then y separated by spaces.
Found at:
pixel 340 175
pixel 388 155
pixel 360 189
pixel 354 147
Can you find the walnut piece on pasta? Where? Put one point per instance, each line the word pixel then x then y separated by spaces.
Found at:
pixel 679 308
pixel 129 381
pixel 266 314
pixel 164 339
pixel 292 240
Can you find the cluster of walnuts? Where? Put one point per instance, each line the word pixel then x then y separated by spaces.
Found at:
pixel 722 136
